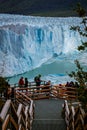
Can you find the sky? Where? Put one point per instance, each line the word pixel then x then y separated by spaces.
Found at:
pixel 40 7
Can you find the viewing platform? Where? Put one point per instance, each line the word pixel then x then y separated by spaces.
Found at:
pixel 49 108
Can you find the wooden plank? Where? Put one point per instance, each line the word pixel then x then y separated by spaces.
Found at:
pixel 8 120
pixel 14 123
pixel 5 109
pixel 31 109
pixel 21 127
pixel 5 123
pixel 19 109
pixel 41 97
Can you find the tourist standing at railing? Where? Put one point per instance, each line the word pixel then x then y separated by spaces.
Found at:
pixel 21 82
pixel 26 82
pixel 67 84
pixel 37 80
pixel 48 84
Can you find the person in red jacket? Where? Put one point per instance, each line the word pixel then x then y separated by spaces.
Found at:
pixel 21 82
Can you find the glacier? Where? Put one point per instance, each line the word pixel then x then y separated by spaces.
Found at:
pixel 28 43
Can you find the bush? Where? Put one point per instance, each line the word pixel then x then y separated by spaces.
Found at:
pixel 3 84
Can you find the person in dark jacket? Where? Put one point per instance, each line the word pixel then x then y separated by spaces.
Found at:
pixel 37 80
pixel 26 82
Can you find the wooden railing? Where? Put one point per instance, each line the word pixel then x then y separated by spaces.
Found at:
pixel 23 99
pixel 47 91
pixel 62 91
pixel 18 113
pixel 35 93
pixel 75 117
pixel 15 117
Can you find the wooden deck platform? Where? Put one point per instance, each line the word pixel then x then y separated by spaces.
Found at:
pixel 48 115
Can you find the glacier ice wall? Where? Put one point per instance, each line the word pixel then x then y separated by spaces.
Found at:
pixel 26 42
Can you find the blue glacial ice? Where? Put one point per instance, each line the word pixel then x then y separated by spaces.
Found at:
pixel 28 42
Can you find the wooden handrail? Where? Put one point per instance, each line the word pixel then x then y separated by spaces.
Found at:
pixel 14 123
pixel 62 91
pixel 7 120
pixel 21 127
pixel 23 95
pixel 31 105
pixel 4 126
pixel 5 109
pixel 76 116
pixel 20 117
pixel 31 93
pixel 19 109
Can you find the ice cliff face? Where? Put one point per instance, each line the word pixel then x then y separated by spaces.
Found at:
pixel 27 42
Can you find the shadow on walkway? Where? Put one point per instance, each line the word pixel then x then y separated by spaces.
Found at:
pixel 48 115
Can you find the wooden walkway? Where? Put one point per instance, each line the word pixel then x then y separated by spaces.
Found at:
pixel 48 115
pixel 47 112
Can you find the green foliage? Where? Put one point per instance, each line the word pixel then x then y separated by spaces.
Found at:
pixel 83 46
pixel 3 84
pixel 3 87
pixel 80 11
pixel 82 30
pixel 82 96
pixel 80 75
